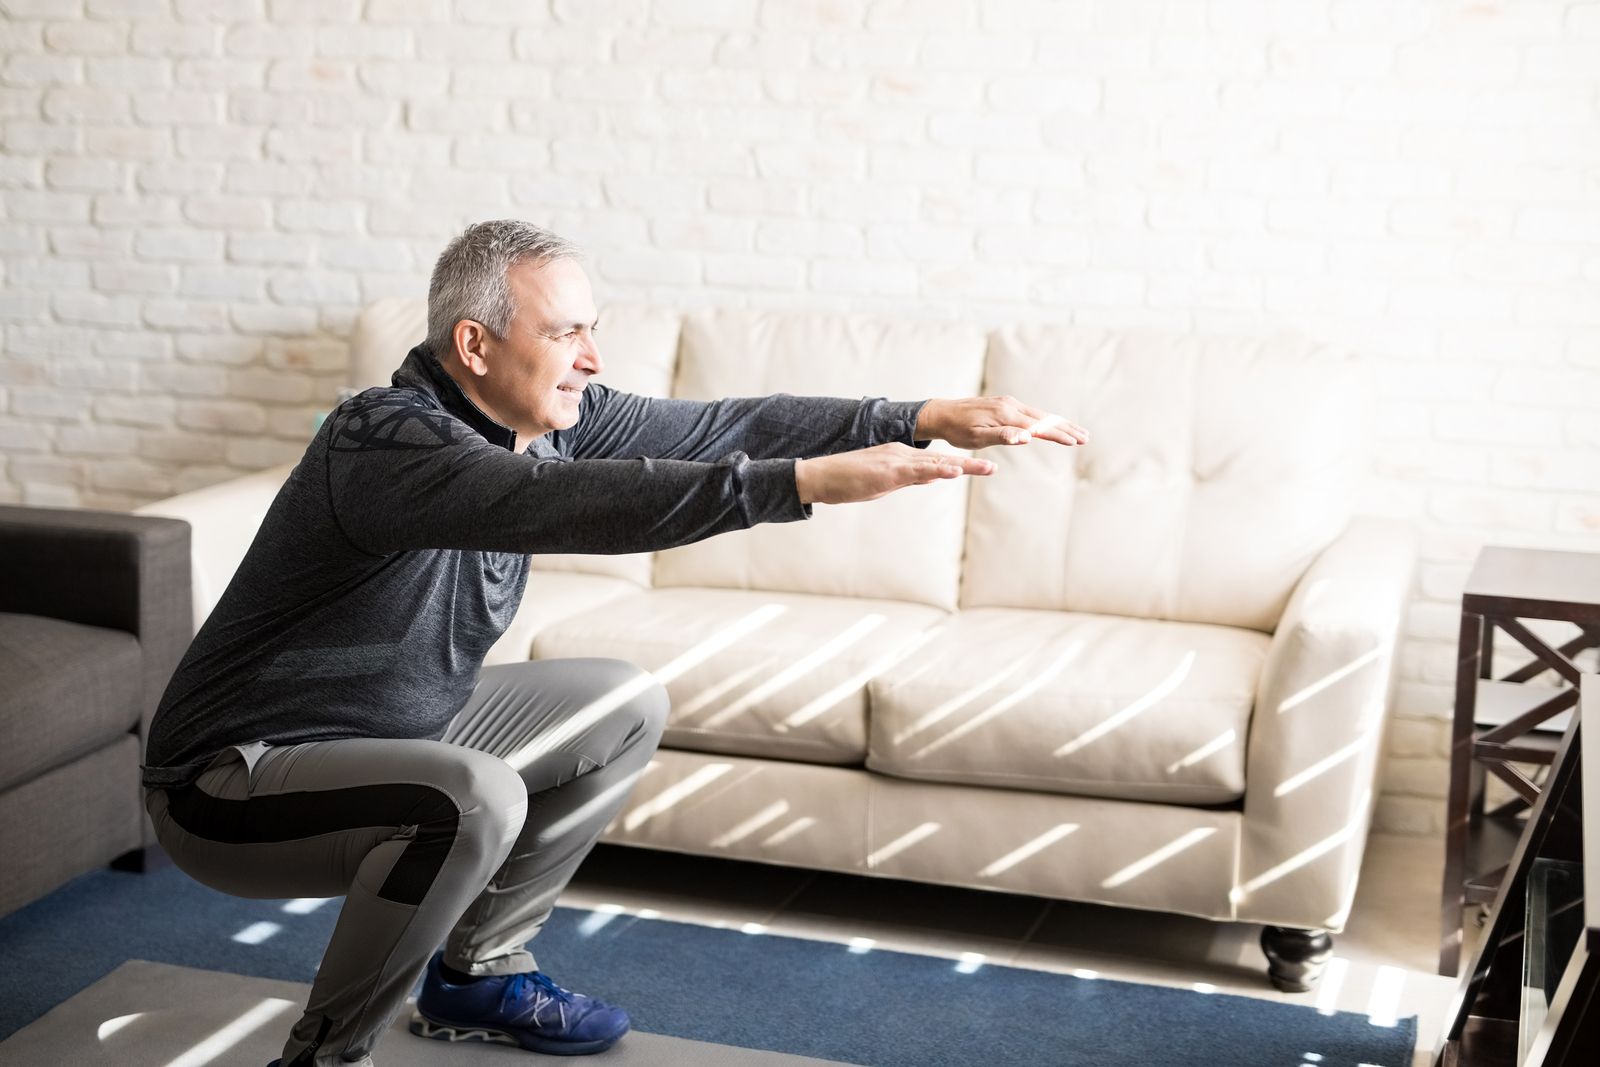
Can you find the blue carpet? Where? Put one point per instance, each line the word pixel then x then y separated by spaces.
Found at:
pixel 887 1009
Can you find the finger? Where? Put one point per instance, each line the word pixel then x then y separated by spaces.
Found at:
pixel 1063 436
pixel 1012 435
pixel 951 467
pixel 974 465
pixel 1057 429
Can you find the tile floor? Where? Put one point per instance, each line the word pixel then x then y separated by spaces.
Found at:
pixel 1383 962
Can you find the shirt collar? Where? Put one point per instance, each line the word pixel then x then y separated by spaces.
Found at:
pixel 421 371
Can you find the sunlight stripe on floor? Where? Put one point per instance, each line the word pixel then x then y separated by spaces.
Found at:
pixel 1383 1007
pixel 225 1039
pixel 305 905
pixel 1331 985
pixel 256 933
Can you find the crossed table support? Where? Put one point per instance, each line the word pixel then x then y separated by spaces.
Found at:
pixel 1496 721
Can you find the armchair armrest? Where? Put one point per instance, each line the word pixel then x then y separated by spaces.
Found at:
pixel 224 519
pixel 1316 734
pixel 102 568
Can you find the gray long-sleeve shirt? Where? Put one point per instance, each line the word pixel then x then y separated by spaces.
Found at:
pixel 397 552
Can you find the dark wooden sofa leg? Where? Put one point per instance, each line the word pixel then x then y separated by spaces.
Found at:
pixel 1295 958
pixel 142 860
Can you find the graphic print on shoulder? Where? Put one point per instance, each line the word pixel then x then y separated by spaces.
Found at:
pixel 378 420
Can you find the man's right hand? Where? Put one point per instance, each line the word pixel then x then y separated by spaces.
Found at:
pixel 868 473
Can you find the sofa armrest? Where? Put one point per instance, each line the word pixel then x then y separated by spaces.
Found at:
pixel 1316 734
pixel 102 568
pixel 224 519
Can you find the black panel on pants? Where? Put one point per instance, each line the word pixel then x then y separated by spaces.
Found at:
pixel 291 816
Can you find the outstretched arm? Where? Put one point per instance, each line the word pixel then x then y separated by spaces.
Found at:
pixel 617 425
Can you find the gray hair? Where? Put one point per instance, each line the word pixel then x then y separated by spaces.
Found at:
pixel 469 280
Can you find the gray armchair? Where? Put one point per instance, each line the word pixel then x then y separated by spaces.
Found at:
pixel 94 615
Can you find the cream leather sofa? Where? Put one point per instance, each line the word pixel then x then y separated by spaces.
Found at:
pixel 1151 672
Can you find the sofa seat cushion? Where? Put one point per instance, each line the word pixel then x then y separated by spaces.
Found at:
pixel 69 689
pixel 1062 702
pixel 753 673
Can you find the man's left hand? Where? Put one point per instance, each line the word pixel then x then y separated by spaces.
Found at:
pixel 980 421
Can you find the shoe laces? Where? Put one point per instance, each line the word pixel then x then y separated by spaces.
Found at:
pixel 517 988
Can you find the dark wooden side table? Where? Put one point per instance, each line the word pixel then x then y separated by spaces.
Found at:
pixel 1499 723
pixel 1531 996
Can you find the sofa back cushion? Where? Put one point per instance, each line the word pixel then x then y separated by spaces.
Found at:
pixel 638 343
pixel 385 331
pixel 1217 469
pixel 904 546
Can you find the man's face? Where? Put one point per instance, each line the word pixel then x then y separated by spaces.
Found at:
pixel 536 374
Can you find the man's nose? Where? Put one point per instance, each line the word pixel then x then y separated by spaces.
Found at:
pixel 590 359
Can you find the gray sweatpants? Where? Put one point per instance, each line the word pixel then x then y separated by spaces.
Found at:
pixel 465 841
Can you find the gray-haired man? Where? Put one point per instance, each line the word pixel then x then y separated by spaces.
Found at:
pixel 330 731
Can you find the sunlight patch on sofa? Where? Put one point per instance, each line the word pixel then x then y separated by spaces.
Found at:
pixel 903 842
pixel 1322 766
pixel 961 699
pixel 712 693
pixel 1005 703
pixel 1032 848
pixel 793 830
pixel 819 704
pixel 1293 863
pixel 801 667
pixel 1210 748
pixel 1132 711
pixel 604 705
pixel 1158 857
pixel 1328 679
pixel 673 794
pixel 776 810
pixel 718 641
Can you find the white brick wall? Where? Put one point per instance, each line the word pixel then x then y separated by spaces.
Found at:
pixel 198 195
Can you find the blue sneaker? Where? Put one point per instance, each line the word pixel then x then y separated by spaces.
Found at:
pixel 526 1010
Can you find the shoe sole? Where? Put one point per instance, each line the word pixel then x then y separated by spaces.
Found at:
pixel 435 1030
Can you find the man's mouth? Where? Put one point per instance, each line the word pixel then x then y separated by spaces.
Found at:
pixel 574 389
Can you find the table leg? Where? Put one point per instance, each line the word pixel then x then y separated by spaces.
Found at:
pixel 1458 807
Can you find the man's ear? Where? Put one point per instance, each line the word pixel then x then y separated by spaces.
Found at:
pixel 471 346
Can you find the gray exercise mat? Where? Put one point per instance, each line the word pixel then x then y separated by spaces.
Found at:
pixel 157 1015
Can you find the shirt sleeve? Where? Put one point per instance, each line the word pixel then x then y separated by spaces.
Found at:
pixel 616 425
pixel 402 477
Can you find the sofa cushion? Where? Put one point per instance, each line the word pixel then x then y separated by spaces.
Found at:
pixel 1098 705
pixel 69 689
pixel 1216 471
pixel 905 546
pixel 753 674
